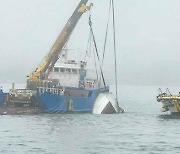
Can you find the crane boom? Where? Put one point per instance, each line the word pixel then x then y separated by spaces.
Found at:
pixel 50 59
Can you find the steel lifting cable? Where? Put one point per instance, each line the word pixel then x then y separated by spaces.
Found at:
pixel 88 48
pixel 105 40
pixel 90 24
pixel 104 50
pixel 97 77
pixel 115 63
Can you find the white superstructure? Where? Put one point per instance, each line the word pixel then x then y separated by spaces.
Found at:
pixel 67 73
pixel 70 73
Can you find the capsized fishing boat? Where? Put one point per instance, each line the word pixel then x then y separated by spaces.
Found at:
pixel 170 103
pixel 106 102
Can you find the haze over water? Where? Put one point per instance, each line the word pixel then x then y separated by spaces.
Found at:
pixel 141 129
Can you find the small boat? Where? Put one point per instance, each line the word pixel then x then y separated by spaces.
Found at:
pixel 4 113
pixel 170 103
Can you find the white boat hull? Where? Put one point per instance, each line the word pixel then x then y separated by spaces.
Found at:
pixel 172 108
pixel 106 104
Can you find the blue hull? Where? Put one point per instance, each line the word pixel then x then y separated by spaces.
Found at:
pixel 1 98
pixel 54 103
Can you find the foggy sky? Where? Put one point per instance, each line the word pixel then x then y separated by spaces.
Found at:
pixel 147 37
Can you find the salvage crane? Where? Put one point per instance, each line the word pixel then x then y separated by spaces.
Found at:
pixel 42 72
pixel 26 97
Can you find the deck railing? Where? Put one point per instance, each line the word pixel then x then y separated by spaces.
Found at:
pixel 56 91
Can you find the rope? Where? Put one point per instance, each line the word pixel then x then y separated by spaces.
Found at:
pixel 57 108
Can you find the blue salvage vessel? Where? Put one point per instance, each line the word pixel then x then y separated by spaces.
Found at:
pixel 62 84
pixel 75 92
pixel 76 100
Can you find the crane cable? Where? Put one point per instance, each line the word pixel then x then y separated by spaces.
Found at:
pixel 107 27
pixel 88 48
pixel 105 40
pixel 94 41
pixel 97 77
pixel 115 62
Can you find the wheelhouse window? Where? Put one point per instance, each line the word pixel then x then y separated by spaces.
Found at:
pixel 62 70
pixel 74 71
pixel 68 70
pixel 56 69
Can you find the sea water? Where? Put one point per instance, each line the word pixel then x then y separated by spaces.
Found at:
pixel 141 129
